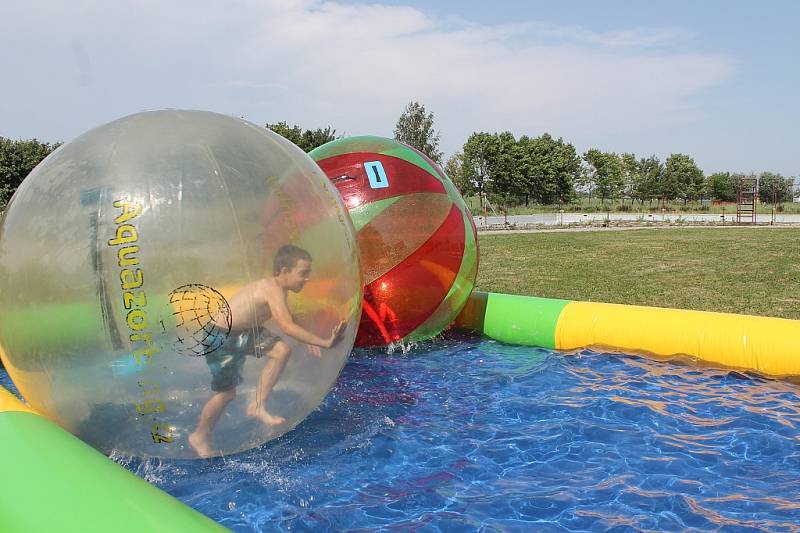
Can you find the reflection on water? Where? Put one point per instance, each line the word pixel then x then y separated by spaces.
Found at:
pixel 464 434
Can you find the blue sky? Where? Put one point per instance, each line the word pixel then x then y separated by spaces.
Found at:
pixel 715 80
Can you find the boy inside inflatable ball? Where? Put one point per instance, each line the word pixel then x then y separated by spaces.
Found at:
pixel 267 299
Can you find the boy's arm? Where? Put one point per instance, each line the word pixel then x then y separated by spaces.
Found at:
pixel 280 313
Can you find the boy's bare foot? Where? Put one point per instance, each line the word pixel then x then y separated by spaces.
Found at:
pixel 200 445
pixel 255 411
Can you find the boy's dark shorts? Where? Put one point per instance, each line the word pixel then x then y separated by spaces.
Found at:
pixel 227 362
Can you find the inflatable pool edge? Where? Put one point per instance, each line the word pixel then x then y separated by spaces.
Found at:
pixel 768 346
pixel 55 482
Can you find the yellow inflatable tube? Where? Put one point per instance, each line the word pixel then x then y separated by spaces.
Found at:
pixel 769 346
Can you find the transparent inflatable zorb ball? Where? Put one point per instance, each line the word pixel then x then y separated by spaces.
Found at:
pixel 177 284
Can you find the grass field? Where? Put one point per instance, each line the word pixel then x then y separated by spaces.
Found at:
pixel 742 270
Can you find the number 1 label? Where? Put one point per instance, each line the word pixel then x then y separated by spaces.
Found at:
pixel 376 175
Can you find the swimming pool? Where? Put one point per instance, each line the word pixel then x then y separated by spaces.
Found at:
pixel 467 433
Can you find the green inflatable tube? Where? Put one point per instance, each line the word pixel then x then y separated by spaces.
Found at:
pixel 520 320
pixel 54 482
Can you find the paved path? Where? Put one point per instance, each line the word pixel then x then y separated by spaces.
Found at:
pixel 557 229
pixel 564 219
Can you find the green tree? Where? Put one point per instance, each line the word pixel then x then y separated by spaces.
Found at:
pixel 697 187
pixel 630 175
pixel 508 179
pixel 605 173
pixel 291 133
pixel 491 163
pixel 307 140
pixel 17 159
pixel 536 182
pixel 477 156
pixel 565 167
pixel 454 168
pixel 314 138
pixel 415 128
pixel 682 179
pixel 550 168
pixel 721 186
pixel 584 182
pixel 774 188
pixel 647 179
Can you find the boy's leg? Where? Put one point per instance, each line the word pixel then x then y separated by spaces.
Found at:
pixel 199 438
pixel 276 361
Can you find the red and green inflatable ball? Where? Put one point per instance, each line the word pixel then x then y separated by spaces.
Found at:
pixel 416 237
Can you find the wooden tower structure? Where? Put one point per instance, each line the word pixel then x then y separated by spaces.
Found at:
pixel 746 200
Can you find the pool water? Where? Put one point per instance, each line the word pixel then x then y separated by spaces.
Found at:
pixel 470 434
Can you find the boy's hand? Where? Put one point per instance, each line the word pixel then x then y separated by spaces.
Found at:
pixel 314 350
pixel 338 333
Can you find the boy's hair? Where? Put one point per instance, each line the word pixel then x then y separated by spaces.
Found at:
pixel 288 255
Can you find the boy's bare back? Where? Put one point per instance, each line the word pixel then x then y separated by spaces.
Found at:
pixel 256 303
